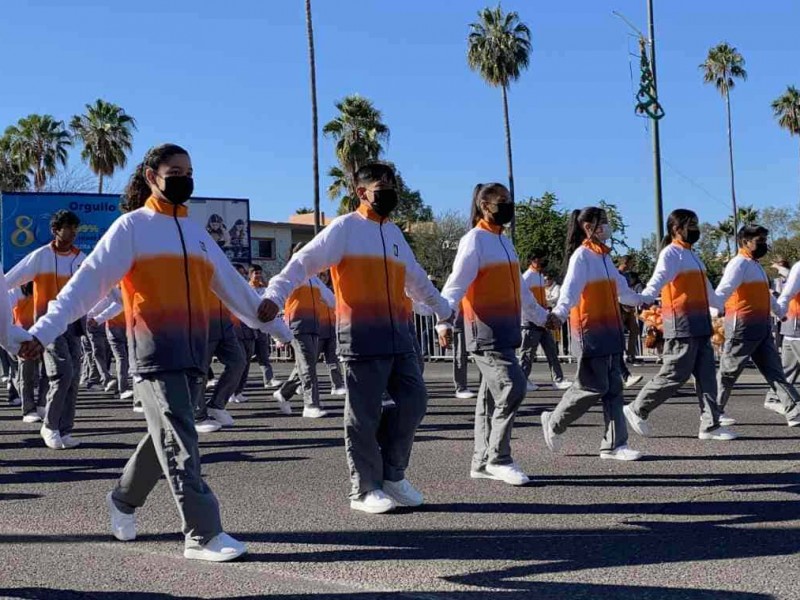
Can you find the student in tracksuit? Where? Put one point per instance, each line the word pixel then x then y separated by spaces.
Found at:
pixel 262 340
pixel 372 266
pixel 590 297
pixel 154 243
pixel 789 303
pixel 50 268
pixel 247 340
pixel 486 277
pixel 113 318
pixel 30 384
pixel 460 358
pixel 327 342
pixel 532 334
pixel 99 353
pixel 748 326
pixel 302 312
pixel 687 297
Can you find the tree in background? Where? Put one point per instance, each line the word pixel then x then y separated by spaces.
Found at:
pixel 541 226
pixel 436 242
pixel 748 215
pixel 722 66
pixel 304 210
pixel 38 144
pixel 359 133
pixel 499 48
pixel 107 135
pixel 618 226
pixel 726 232
pixel 411 208
pixel 13 176
pixel 76 179
pixel 787 110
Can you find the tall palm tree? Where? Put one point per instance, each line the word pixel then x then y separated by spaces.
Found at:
pixel 13 177
pixel 359 133
pixel 727 231
pixel 107 133
pixel 314 119
pixel 339 190
pixel 39 144
pixel 499 48
pixel 722 66
pixel 787 110
pixel 748 215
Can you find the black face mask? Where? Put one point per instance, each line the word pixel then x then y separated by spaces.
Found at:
pixel 761 250
pixel 384 202
pixel 692 235
pixel 178 188
pixel 503 213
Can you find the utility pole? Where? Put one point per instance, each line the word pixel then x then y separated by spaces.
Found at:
pixel 656 138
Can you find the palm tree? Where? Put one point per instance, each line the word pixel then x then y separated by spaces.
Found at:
pixel 722 66
pixel 787 110
pixel 38 143
pixel 747 215
pixel 499 48
pixel 339 190
pixel 314 120
pixel 359 134
pixel 13 177
pixel 727 231
pixel 106 132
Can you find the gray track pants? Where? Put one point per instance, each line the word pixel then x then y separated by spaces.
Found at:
pixel 248 347
pixel 304 374
pixel 229 352
pixel 101 352
pixel 89 373
pixel 62 362
pixel 327 348
pixel 118 342
pixel 501 393
pixel 531 338
pixel 378 443
pixel 170 448
pixel 460 361
pixel 598 379
pixel 31 385
pixel 683 357
pixel 262 355
pixel 785 392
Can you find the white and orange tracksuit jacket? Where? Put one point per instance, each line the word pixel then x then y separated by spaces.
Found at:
pixel 170 270
pixel 21 308
pixel 306 309
pixel 789 303
pixel 11 315
pixel 590 296
pixel 372 266
pixel 486 277
pixel 534 281
pixel 687 295
pixel 744 289
pixel 49 270
pixel 111 310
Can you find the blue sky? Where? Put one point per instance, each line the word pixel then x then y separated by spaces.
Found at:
pixel 229 80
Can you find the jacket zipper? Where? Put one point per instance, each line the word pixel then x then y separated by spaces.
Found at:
pixel 188 283
pixel 511 272
pixel 388 295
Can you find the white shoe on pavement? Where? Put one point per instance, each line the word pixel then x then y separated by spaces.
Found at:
pixel 126 395
pixel 621 453
pixel 283 403
pixel 532 387
pixel 69 442
pixel 339 391
pixel 775 406
pixel 138 408
pixel 220 548
pixel 375 502
pixel 52 438
pixel 403 493
pixel 123 525
pixel 631 380
pixel 564 384
pixel 221 416
pixel 639 425
pixel 510 474
pixel 211 384
pixel 31 417
pixel 314 412
pixel 238 399
pixel 111 386
pixel 465 394
pixel 551 438
pixel 272 384
pixel 726 421
pixel 720 433
pixel 207 426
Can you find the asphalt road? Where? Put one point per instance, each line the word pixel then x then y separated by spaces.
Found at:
pixel 695 520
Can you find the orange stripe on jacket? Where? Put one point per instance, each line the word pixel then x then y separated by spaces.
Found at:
pixel 494 293
pixel 23 312
pixel 362 294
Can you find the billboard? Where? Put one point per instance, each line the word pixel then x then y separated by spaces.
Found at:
pixel 25 218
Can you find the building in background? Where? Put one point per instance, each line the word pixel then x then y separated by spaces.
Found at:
pixel 271 242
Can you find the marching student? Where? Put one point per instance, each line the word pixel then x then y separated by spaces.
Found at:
pixel 302 312
pixel 748 327
pixel 590 297
pixel 372 266
pixel 50 268
pixel 30 384
pixel 486 278
pixel 687 297
pixel 533 334
pixel 113 317
pixel 262 340
pixel 327 341
pixel 99 350
pixel 153 243
pixel 247 340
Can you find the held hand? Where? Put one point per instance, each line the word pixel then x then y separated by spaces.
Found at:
pixel 446 339
pixel 267 311
pixel 91 323
pixel 31 350
pixel 553 322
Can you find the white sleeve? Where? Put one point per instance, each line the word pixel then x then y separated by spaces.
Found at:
pixel 465 270
pixel 790 289
pixel 731 279
pixel 23 272
pixel 626 295
pixel 327 295
pixel 422 309
pixel 99 307
pixel 775 308
pixel 662 275
pixel 531 310
pixel 571 289
pixel 113 308
pixel 419 287
pixel 11 336
pixel 109 262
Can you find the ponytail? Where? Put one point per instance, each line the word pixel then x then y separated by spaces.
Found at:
pixel 484 192
pixel 677 219
pixel 475 212
pixel 575 233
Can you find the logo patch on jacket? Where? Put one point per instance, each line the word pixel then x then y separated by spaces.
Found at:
pixel 396 250
pixel 203 246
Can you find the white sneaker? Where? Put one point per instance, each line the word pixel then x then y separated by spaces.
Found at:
pixel 403 493
pixel 639 425
pixel 621 453
pixel 532 387
pixel 111 386
pixel 15 402
pixel 272 384
pixel 551 438
pixel 221 416
pixel 211 384
pixel 631 380
pixel 126 395
pixel 793 422
pixel 465 394
pixel 123 525
pixel 283 403
pixel 480 473
pixel 564 384
pixel 774 406
pixel 41 411
pixel 388 403
pixel 52 438
pixel 207 426
pixel 374 502
pixel 726 421
pixel 339 391
pixel 238 399
pixel 720 433
pixel 314 412
pixel 69 441
pixel 220 548
pixel 510 474
pixel 31 417
pixel 138 408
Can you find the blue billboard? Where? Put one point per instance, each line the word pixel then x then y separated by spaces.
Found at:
pixel 25 218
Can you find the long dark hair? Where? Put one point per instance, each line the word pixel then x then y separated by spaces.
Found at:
pixel 678 219
pixel 575 233
pixel 138 191
pixel 484 192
